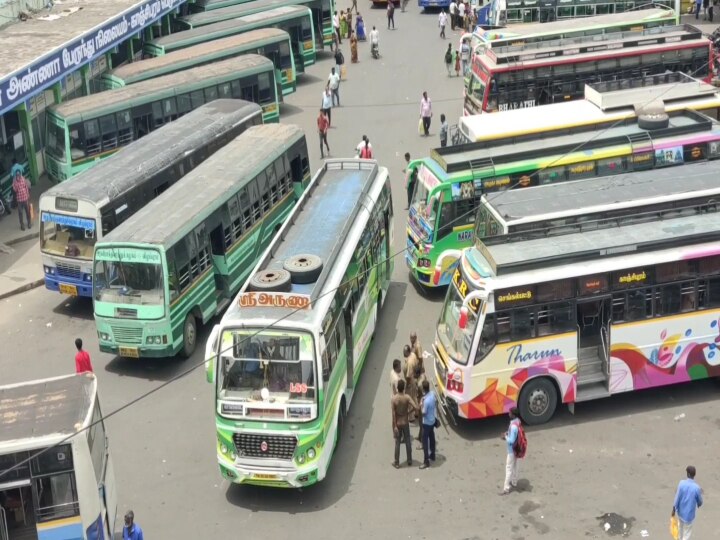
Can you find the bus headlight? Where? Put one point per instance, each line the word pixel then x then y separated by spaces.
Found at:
pixel 50 270
pixel 233 456
pixel 300 459
pixel 311 453
pixel 104 336
pixel 223 449
pixel 87 277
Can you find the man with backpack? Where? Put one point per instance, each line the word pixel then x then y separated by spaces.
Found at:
pixel 516 448
pixel 449 59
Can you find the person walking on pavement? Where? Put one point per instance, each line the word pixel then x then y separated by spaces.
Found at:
pixel 363 142
pixel 402 406
pixel 391 14
pixel 21 187
pixel 82 358
pixel 410 179
pixel 131 530
pixel 354 6
pixel 443 131
pixel 511 465
pixel 688 498
pixel 428 410
pixel 453 12
pixel 457 63
pixel 366 149
pixel 449 59
pixel 442 21
pixel 465 57
pixel 426 112
pixel 327 103
pixel 395 376
pixel 334 86
pixel 336 27
pixel 323 124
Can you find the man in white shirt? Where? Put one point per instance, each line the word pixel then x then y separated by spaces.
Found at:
pixel 334 86
pixel 442 21
pixel 327 103
pixel 336 26
pixel 465 57
pixel 453 14
pixel 461 15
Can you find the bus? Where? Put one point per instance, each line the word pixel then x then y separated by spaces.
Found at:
pixel 519 77
pixel 295 20
pixel 85 130
pixel 585 315
pixel 179 261
pixel 546 11
pixel 75 214
pixel 224 10
pixel 286 358
pixel 452 180
pixel 650 195
pixel 57 479
pixel 272 43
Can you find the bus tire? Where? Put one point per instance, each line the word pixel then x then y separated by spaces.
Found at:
pixel 538 400
pixel 189 336
pixel 650 121
pixel 304 268
pixel 277 280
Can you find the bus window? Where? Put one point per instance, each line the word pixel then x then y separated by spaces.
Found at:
pixel 92 137
pixel 197 98
pixel 211 94
pixel 124 128
pixel 108 131
pixel 639 304
pixel 522 324
pixel 184 103
pixel 225 91
pixel 264 89
pixel 487 338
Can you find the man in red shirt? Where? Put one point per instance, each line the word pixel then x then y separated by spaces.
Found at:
pixel 323 124
pixel 21 187
pixel 82 359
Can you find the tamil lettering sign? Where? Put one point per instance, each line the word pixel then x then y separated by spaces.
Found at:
pixel 274 299
pixel 47 70
pixel 128 255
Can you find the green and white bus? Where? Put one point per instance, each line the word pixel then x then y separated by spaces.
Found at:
pixel 272 43
pixel 295 20
pixel 180 260
pixel 87 129
pixel 451 181
pixel 286 357
pixel 223 10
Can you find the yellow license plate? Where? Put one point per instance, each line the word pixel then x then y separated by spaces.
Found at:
pixel 261 476
pixel 270 108
pixel 68 289
pixel 129 352
pixel 308 45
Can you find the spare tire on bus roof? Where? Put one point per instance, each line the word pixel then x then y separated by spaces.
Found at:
pixel 272 280
pixel 304 268
pixel 651 121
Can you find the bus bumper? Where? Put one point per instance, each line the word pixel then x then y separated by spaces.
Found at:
pixel 135 351
pixel 288 478
pixel 66 285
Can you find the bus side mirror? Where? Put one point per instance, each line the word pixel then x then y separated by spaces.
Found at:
pixel 211 350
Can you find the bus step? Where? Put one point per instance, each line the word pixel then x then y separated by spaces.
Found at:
pixel 590 376
pixel 595 390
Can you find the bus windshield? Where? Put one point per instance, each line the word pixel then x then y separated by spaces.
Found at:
pixel 55 144
pixel 424 208
pixel 128 276
pixel 281 362
pixel 457 342
pixel 68 236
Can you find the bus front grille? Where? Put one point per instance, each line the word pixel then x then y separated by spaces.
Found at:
pixel 69 270
pixel 127 335
pixel 265 446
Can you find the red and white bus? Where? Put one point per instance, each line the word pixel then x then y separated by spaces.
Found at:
pixel 516 77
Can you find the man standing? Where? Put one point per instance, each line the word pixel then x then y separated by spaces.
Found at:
pixel 395 376
pixel 688 499
pixel 428 408
pixel 327 103
pixel 442 21
pixel 336 26
pixel 449 59
pixel 402 405
pixel 391 14
pixel 131 530
pixel 453 13
pixel 510 436
pixel 415 346
pixel 443 131
pixel 82 358
pixel 21 187
pixel 334 86
pixel 426 112
pixel 460 15
pixel 465 57
pixel 323 124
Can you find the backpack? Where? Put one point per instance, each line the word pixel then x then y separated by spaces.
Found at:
pixel 339 58
pixel 448 57
pixel 520 444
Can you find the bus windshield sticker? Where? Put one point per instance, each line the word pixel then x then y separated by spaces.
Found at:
pixel 694 152
pixel 714 149
pixel 514 296
pixel 298 388
pixel 462 190
pixel 147 256
pixel 465 236
pixel 274 299
pixel 669 156
pixel 69 221
pixel 427 178
pixel 462 288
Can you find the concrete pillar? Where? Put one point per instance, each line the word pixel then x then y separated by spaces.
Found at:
pixel 57 92
pixel 85 74
pixel 26 127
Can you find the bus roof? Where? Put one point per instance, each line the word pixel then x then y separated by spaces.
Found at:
pixel 519 31
pixel 164 220
pixel 486 154
pixel 231 12
pixel 54 407
pixel 516 206
pixel 160 86
pixel 225 28
pixel 326 213
pixel 115 175
pixel 577 49
pixel 602 243
pixel 190 56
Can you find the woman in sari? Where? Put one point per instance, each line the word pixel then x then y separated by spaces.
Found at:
pixel 353 48
pixel 343 24
pixel 349 20
pixel 360 27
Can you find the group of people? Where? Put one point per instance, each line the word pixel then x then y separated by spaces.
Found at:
pixel 343 28
pixel 462 15
pixel 459 59
pixel 707 6
pixel 412 400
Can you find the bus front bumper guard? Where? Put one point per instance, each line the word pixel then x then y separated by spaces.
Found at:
pixel 290 478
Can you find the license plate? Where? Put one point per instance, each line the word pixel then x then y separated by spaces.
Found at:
pixel 129 352
pixel 68 289
pixel 261 476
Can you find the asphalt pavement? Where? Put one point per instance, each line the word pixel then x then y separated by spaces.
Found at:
pixel 615 462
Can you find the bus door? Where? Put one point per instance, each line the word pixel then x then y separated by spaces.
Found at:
pixel 349 341
pixel 593 319
pixel 383 256
pixel 16 511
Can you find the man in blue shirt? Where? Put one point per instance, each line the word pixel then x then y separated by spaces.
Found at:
pixel 429 409
pixel 131 530
pixel 511 464
pixel 687 500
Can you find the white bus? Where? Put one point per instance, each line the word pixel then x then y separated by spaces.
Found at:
pixel 580 316
pixel 287 355
pixel 52 488
pixel 76 214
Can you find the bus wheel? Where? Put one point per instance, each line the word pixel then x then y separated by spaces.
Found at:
pixel 304 268
pixel 271 280
pixel 189 336
pixel 538 400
